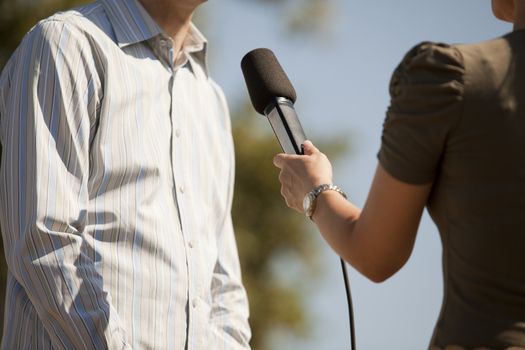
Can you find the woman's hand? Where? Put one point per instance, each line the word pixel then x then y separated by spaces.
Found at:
pixel 378 240
pixel 301 174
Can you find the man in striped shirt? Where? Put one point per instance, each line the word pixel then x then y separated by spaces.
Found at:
pixel 116 185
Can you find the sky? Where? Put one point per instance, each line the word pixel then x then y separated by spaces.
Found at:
pixel 342 83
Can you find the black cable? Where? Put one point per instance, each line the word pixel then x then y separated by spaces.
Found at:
pixel 350 306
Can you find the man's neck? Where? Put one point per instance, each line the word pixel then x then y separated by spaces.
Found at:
pixel 174 19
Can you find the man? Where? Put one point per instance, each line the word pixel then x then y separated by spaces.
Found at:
pixel 116 185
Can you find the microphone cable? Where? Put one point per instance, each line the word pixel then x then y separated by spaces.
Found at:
pixel 350 304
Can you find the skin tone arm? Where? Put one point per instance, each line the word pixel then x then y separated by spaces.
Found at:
pixel 377 240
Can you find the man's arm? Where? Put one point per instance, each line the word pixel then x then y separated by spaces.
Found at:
pixel 51 105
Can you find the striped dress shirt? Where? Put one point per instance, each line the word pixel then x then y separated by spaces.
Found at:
pixel 115 189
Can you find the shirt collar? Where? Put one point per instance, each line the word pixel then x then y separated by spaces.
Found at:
pixel 196 46
pixel 133 24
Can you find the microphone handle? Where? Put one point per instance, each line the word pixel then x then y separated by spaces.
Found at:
pixel 286 125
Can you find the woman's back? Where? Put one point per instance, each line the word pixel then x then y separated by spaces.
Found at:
pixel 458 119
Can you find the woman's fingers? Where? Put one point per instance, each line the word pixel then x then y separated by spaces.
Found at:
pixel 289 192
pixel 309 148
pixel 283 176
pixel 301 173
pixel 279 160
pixel 291 199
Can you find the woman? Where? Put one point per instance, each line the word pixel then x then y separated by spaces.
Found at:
pixel 453 141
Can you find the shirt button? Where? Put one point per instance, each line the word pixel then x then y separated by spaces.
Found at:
pixel 191 244
pixel 177 132
pixel 181 189
pixel 195 302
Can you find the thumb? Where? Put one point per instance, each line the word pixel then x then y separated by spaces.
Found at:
pixel 309 148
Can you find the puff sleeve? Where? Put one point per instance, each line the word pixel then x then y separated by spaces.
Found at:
pixel 426 103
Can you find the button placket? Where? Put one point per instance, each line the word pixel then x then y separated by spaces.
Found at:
pixel 179 160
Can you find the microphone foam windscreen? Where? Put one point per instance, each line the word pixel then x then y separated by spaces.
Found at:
pixel 265 79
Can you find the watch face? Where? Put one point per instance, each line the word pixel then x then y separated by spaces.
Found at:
pixel 306 203
pixel 309 204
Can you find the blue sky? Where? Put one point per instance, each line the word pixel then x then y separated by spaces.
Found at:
pixel 342 82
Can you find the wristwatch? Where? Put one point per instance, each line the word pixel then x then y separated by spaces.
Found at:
pixel 310 199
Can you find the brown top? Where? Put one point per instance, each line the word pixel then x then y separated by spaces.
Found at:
pixel 457 119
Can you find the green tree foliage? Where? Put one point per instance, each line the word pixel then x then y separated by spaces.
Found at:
pixel 266 231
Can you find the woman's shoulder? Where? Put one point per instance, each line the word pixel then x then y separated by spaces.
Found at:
pixel 460 58
pixel 498 48
pixel 453 58
pixel 488 63
pixel 426 103
pixel 457 70
pixel 429 76
pixel 429 61
pixel 430 54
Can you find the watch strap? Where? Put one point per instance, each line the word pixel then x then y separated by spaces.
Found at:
pixel 317 191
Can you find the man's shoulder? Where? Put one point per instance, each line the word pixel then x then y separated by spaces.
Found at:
pixel 83 21
pixel 81 29
pixel 80 13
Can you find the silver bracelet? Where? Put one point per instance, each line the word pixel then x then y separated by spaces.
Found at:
pixel 310 199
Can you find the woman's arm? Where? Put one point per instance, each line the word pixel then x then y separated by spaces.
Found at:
pixel 377 240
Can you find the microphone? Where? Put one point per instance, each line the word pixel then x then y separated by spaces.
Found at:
pixel 273 95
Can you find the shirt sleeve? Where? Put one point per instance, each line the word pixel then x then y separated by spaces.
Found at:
pixel 229 309
pixel 48 116
pixel 426 103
